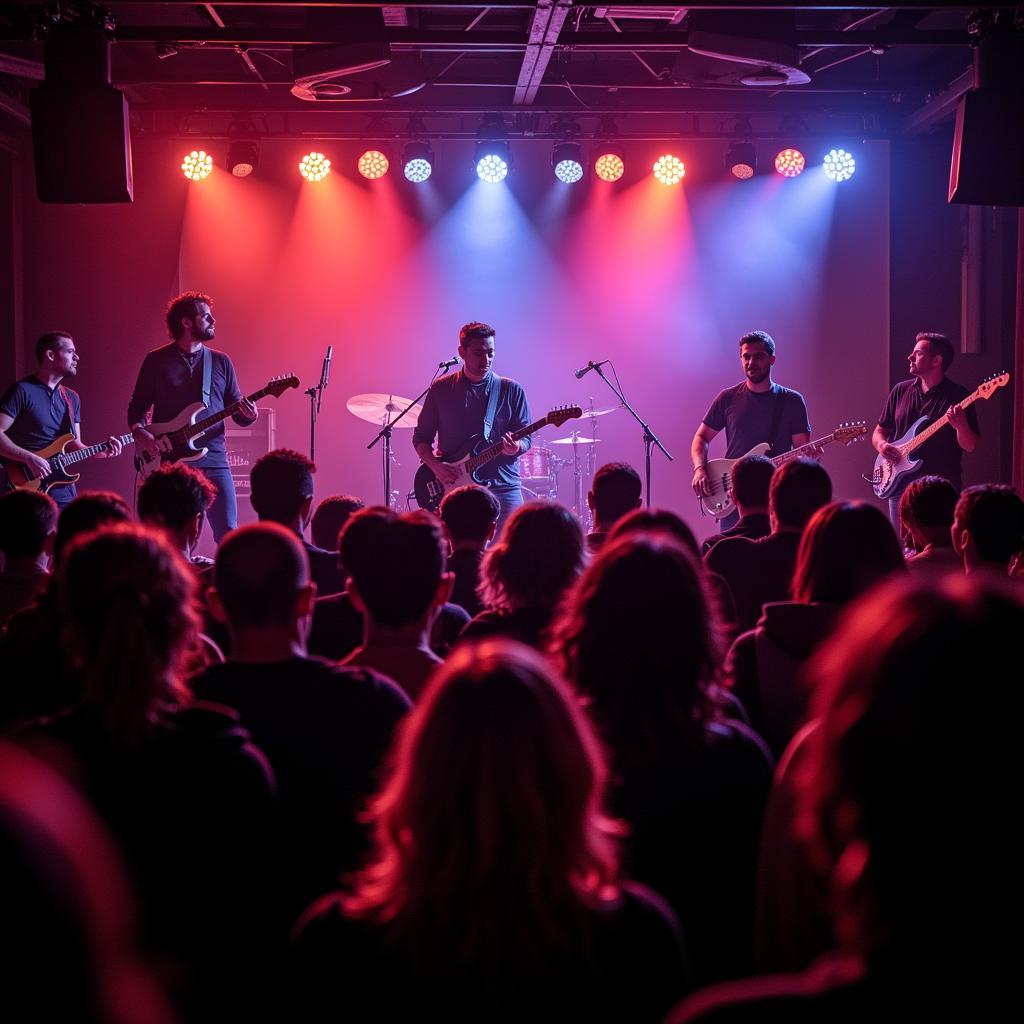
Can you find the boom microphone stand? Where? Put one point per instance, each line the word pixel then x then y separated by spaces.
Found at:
pixel 315 395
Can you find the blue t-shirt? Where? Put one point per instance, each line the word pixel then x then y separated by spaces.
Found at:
pixel 746 417
pixel 41 414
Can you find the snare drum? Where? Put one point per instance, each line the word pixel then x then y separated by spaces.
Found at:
pixel 536 463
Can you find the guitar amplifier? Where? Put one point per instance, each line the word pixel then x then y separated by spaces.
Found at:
pixel 244 446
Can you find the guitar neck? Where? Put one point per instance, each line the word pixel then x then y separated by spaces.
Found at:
pixel 796 453
pixel 83 453
pixel 201 426
pixel 934 428
pixel 495 449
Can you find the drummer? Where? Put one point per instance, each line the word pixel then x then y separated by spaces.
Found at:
pixel 614 493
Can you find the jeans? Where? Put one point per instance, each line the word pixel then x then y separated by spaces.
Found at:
pixel 509 498
pixel 223 513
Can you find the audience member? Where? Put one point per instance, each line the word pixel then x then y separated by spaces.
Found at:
pixel 614 493
pixel 525 575
pixel 749 481
pixel 176 497
pixel 926 519
pixel 282 492
pixel 330 516
pixel 494 893
pixel 28 523
pixel 988 527
pixel 639 641
pixel 470 517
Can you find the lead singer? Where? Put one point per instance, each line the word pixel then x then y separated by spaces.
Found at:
pixel 455 409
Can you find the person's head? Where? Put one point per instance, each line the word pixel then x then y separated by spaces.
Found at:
pixel 539 553
pixel 907 779
pixel 639 639
pixel 281 485
pixel 330 516
pixel 846 548
pixel 261 579
pixel 931 355
pixel 28 521
pixel 176 497
pixel 476 346
pixel 757 354
pixel 55 353
pixel 395 565
pixel 798 489
pixel 751 480
pixel 470 515
pixel 128 604
pixel 189 316
pixel 988 527
pixel 91 509
pixel 926 511
pixel 490 836
pixel 614 493
pixel 653 521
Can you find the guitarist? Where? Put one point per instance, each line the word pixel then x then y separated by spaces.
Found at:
pixel 457 407
pixel 929 392
pixel 37 410
pixel 179 374
pixel 751 412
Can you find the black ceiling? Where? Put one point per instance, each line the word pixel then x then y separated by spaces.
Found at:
pixel 640 69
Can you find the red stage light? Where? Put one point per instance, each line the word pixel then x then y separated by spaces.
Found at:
pixel 373 164
pixel 790 162
pixel 197 165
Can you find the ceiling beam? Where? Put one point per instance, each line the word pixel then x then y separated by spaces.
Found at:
pixel 548 18
pixel 942 106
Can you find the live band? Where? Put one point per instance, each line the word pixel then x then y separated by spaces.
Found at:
pixel 472 425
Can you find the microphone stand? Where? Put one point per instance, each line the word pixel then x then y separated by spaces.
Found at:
pixel 649 436
pixel 316 395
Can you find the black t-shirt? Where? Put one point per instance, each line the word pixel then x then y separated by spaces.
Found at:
pixel 941 455
pixel 746 417
pixel 41 414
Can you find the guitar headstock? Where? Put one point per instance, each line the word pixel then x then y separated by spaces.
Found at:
pixel 988 387
pixel 563 413
pixel 279 385
pixel 847 433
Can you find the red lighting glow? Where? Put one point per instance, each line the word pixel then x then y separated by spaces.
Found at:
pixel 373 164
pixel 314 167
pixel 609 167
pixel 789 163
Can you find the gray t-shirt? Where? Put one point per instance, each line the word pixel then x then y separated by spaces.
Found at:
pixel 746 417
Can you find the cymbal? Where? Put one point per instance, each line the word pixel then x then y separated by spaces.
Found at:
pixel 576 439
pixel 594 413
pixel 376 408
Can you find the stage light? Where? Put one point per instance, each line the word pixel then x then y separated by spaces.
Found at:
pixel 493 159
pixel 373 164
pixel 197 165
pixel 417 161
pixel 790 162
pixel 610 166
pixel 243 156
pixel 567 159
pixel 314 167
pixel 839 165
pixel 669 169
pixel 741 160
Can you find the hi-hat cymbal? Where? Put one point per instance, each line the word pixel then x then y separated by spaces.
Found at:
pixel 591 414
pixel 379 407
pixel 576 439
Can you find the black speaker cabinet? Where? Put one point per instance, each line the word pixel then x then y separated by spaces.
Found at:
pixel 244 446
pixel 988 149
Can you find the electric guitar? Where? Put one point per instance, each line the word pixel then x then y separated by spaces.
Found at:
pixel 21 476
pixel 886 475
pixel 719 503
pixel 185 429
pixel 475 454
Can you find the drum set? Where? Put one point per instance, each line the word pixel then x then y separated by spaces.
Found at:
pixel 539 466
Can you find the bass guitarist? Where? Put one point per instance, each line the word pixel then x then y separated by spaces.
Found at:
pixel 182 373
pixel 38 409
pixel 928 393
pixel 468 402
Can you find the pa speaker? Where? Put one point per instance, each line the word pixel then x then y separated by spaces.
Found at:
pixel 988 149
pixel 81 144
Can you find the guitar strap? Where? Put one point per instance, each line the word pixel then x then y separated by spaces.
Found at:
pixel 67 405
pixel 493 393
pixel 207 375
pixel 773 430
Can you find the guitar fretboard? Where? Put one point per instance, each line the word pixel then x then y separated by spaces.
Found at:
pixel 201 426
pixel 495 449
pixel 934 428
pixel 796 453
pixel 68 458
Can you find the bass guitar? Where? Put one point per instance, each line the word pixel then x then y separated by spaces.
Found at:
pixel 719 503
pixel 475 454
pixel 886 475
pixel 186 428
pixel 21 476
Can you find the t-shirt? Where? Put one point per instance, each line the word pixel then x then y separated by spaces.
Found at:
pixel 40 413
pixel 168 384
pixel 746 417
pixel 941 454
pixel 454 411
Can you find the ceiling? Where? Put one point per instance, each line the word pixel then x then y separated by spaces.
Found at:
pixel 432 69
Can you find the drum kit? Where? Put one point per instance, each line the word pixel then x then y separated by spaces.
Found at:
pixel 539 466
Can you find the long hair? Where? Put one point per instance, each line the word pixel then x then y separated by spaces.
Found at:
pixel 539 554
pixel 846 548
pixel 490 837
pixel 639 640
pixel 129 600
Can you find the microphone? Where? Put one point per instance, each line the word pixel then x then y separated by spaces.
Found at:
pixel 325 375
pixel 449 363
pixel 590 366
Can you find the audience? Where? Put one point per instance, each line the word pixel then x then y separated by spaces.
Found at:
pixel 614 493
pixel 470 517
pixel 750 480
pixel 176 497
pixel 494 893
pixel 525 575
pixel 330 516
pixel 926 521
pixel 988 527
pixel 28 524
